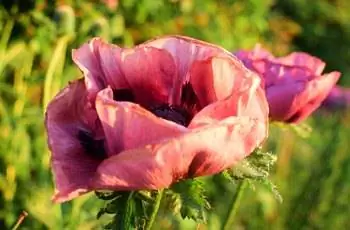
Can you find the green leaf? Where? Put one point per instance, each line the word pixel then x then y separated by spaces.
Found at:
pixel 273 189
pixel 189 199
pixel 256 168
pixel 129 209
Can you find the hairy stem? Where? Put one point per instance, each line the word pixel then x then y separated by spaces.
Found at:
pixel 155 210
pixel 230 216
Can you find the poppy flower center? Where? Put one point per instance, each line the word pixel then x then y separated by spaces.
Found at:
pixel 181 115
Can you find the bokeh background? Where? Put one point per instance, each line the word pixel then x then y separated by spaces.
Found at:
pixel 36 38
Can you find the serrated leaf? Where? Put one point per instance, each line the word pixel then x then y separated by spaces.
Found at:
pixel 257 168
pixel 129 210
pixel 273 189
pixel 189 198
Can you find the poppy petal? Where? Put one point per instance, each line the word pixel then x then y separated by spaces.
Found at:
pixel 68 114
pixel 314 94
pixel 128 125
pixel 101 64
pixel 235 89
pixel 301 59
pixel 281 100
pixel 185 51
pixel 151 73
pixel 203 151
pixel 339 97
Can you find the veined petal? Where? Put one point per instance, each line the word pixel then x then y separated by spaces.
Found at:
pixel 185 51
pixel 301 59
pixel 151 73
pixel 127 125
pixel 234 91
pixel 313 95
pixel 203 151
pixel 67 115
pixel 87 59
pixel 212 79
pixel 100 62
pixel 279 74
pixel 281 99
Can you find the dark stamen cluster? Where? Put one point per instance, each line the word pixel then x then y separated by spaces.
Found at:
pixel 180 114
pixel 172 113
pixel 123 95
pixel 92 147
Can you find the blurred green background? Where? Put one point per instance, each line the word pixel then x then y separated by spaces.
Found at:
pixel 36 38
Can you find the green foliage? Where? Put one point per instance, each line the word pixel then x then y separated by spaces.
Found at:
pixel 256 167
pixel 189 199
pixel 129 210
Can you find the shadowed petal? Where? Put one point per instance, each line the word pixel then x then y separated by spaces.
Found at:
pixel 67 116
pixel 127 125
pixel 212 79
pixel 110 60
pixel 185 51
pixel 281 99
pixel 313 95
pixel 277 74
pixel 339 97
pixel 87 59
pixel 100 62
pixel 295 59
pixel 314 64
pixel 203 151
pixel 235 91
pixel 151 73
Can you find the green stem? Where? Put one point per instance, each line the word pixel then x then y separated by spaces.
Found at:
pixel 230 216
pixel 155 210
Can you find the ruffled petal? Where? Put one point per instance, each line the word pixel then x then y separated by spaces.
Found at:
pixel 279 74
pixel 339 97
pixel 151 73
pixel 295 59
pixel 212 79
pixel 101 64
pixel 203 151
pixel 67 116
pixel 185 51
pixel 127 125
pixel 235 91
pixel 257 53
pixel 110 60
pixel 301 59
pixel 312 96
pixel 282 100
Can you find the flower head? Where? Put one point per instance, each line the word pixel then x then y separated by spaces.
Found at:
pixel 143 118
pixel 294 84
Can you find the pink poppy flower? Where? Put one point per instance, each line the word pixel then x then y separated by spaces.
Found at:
pixel 144 118
pixel 294 84
pixel 338 98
